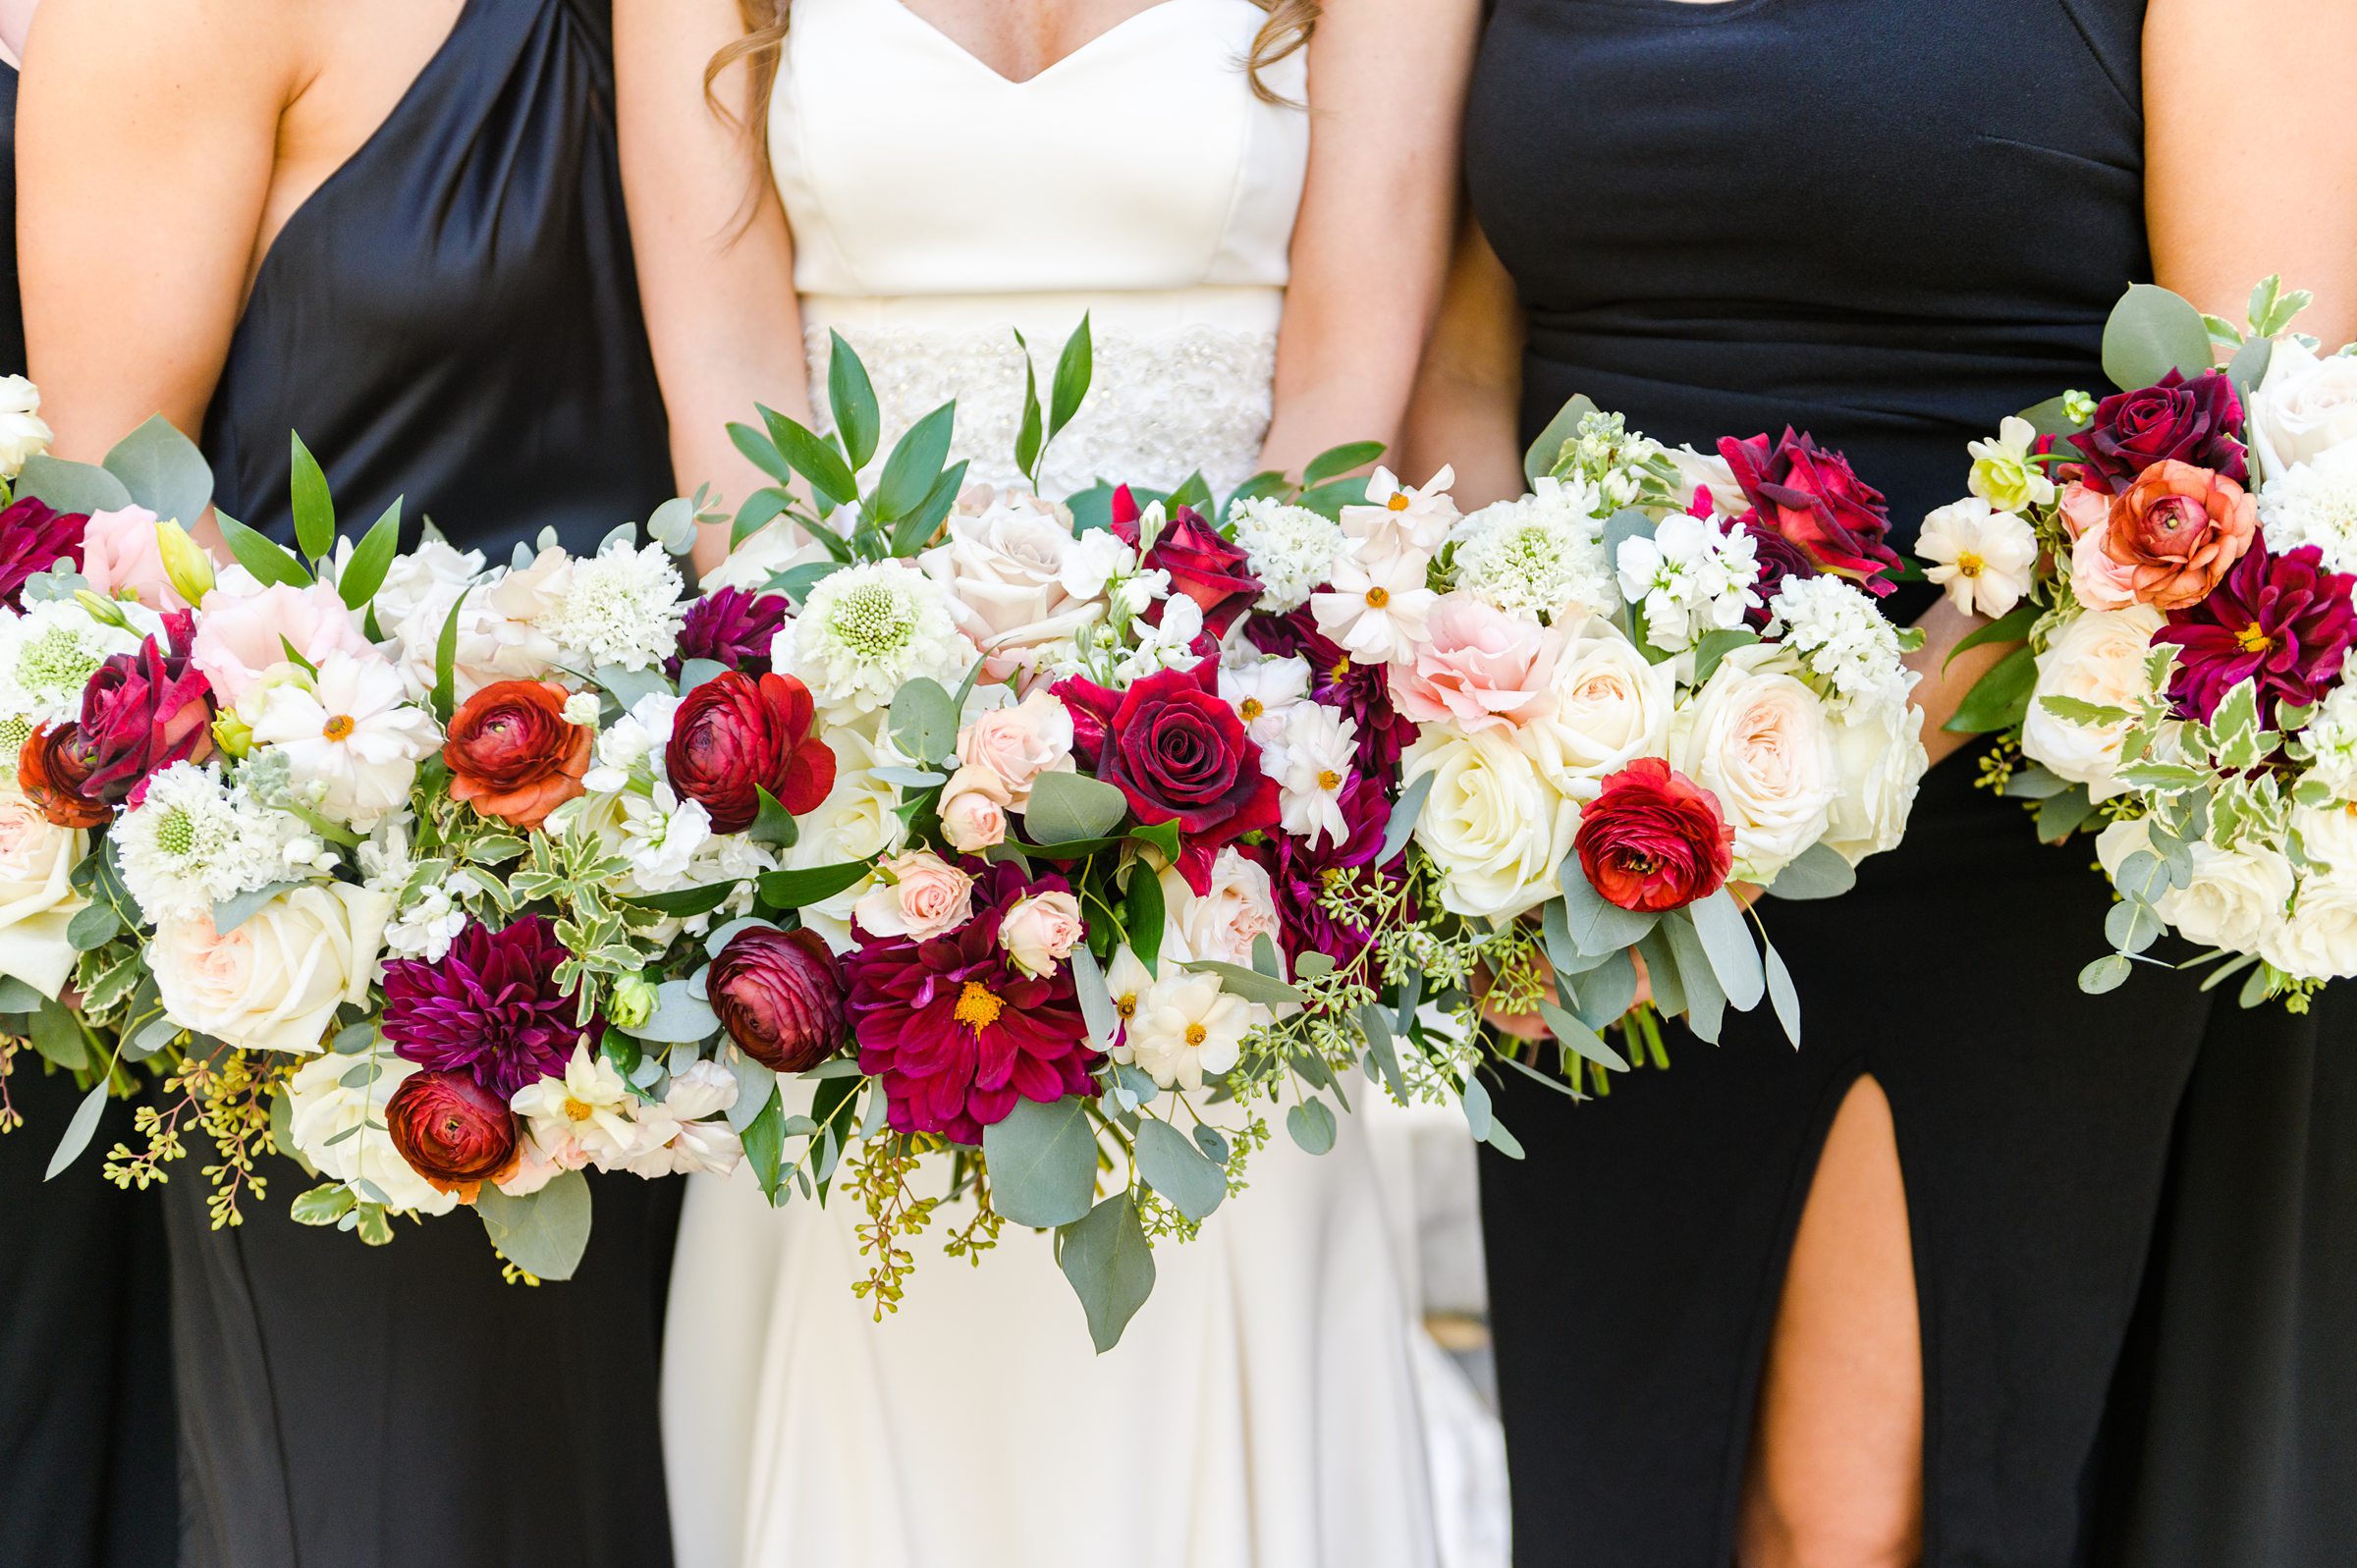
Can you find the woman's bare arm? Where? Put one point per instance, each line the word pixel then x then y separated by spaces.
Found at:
pixel 1468 396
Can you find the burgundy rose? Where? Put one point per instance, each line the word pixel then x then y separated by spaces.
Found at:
pixel 1780 560
pixel 2196 421
pixel 453 1131
pixel 33 539
pixel 779 994
pixel 1654 840
pixel 143 712
pixel 2282 621
pixel 514 754
pixel 736 734
pixel 1808 494
pixel 491 1008
pixel 1212 570
pixel 730 626
pixel 1362 691
pixel 53 770
pixel 1180 754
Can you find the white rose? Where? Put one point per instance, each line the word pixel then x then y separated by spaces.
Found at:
pixel 24 435
pixel 2327 836
pixel 274 982
pixel 1004 572
pixel 37 900
pixel 342 1129
pixel 2303 407
pixel 1883 761
pixel 1219 924
pixel 1492 823
pixel 1758 739
pixel 857 821
pixel 2236 897
pixel 2098 658
pixel 1611 708
pixel 2318 938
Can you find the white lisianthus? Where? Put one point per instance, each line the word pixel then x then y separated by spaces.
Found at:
pixel 1185 1028
pixel 415 575
pixel 2003 476
pixel 196 838
pixel 866 632
pixel 1882 763
pixel 351 734
pixel 1611 705
pixel 1841 638
pixel 1541 554
pixel 587 1117
pixel 1376 610
pixel 24 435
pixel 339 1128
pixel 1224 923
pixel 1002 574
pixel 1492 823
pixel 1291 549
pixel 620 607
pixel 1757 738
pixel 2303 407
pixel 1981 556
pixel 2315 502
pixel 274 983
pixel 1692 576
pixel 37 900
pixel 2098 658
pixel 48 653
pixel 1264 690
pixel 1312 759
pixel 678 1138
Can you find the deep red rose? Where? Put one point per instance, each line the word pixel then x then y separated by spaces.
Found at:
pixel 453 1131
pixel 2196 421
pixel 52 768
pixel 143 712
pixel 736 734
pixel 1211 570
pixel 1180 754
pixel 1654 840
pixel 2280 621
pixel 514 754
pixel 1780 560
pixel 1808 494
pixel 33 539
pixel 780 996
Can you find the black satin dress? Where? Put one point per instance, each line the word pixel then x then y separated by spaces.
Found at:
pixel 1891 225
pixel 85 1395
pixel 454 316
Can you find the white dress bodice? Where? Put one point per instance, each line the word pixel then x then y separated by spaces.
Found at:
pixel 939 207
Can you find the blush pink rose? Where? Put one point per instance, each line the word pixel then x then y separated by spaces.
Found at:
pixel 973 818
pixel 2096 580
pixel 924 897
pixel 1483 669
pixel 238 640
pixel 1007 748
pixel 119 554
pixel 1040 932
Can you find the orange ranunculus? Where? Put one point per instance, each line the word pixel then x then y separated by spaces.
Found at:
pixel 2177 530
pixel 53 770
pixel 511 752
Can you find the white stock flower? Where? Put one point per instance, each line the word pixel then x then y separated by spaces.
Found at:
pixel 1184 1028
pixel 196 838
pixel 1841 638
pixel 867 630
pixel 1611 705
pixel 660 835
pixel 1376 610
pixel 2303 407
pixel 24 435
pixel 339 1128
pixel 587 1117
pixel 632 749
pixel 1291 549
pixel 2099 658
pixel 1493 823
pixel 1167 646
pixel 1758 739
pixel 1691 576
pixel 351 734
pixel 2332 738
pixel 2315 502
pixel 1096 562
pixel 1313 757
pixel 1981 556
pixel 48 653
pixel 620 607
pixel 1542 553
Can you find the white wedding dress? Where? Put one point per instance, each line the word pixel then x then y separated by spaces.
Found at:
pixel 1262 1408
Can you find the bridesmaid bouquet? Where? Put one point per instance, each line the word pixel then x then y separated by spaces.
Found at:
pixel 1660 676
pixel 2180 557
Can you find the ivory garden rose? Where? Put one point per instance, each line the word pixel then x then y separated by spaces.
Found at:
pixel 274 981
pixel 37 900
pixel 2098 658
pixel 1758 739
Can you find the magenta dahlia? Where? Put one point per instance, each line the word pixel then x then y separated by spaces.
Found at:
pixel 2282 621
pixel 957 1032
pixel 730 626
pixel 1300 869
pixel 491 1008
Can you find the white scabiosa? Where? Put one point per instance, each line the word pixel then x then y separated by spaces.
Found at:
pixel 2315 504
pixel 196 839
pixel 621 607
pixel 1291 549
pixel 1841 638
pixel 48 653
pixel 1541 554
pixel 868 630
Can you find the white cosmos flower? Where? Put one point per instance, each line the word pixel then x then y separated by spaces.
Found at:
pixel 352 733
pixel 1312 759
pixel 868 630
pixel 1377 610
pixel 586 1116
pixel 1263 690
pixel 1401 519
pixel 1692 574
pixel 1981 555
pixel 1127 982
pixel 1291 549
pixel 1185 1027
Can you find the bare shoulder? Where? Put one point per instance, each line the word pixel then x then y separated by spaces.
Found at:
pixel 174 53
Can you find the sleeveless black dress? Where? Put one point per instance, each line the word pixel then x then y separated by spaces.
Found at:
pixel 452 315
pixel 1892 224
pixel 85 1412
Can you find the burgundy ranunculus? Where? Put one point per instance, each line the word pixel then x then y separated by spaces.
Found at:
pixel 1300 869
pixel 2282 621
pixel 1178 750
pixel 53 770
pixel 779 994
pixel 736 734
pixel 2196 421
pixel 143 712
pixel 1213 572
pixel 1808 494
pixel 1361 691
pixel 453 1131
pixel 1654 840
pixel 491 1008
pixel 957 1032
pixel 730 626
pixel 33 539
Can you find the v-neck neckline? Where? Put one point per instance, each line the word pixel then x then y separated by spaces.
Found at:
pixel 1077 52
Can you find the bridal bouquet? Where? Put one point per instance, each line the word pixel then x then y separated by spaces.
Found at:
pixel 1660 676
pixel 2180 557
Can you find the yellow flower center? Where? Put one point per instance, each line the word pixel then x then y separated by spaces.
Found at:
pixel 1398 503
pixel 1330 780
pixel 1341 670
pixel 1196 1034
pixel 1250 707
pixel 1377 598
pixel 1125 1005
pixel 2254 638
pixel 1970 564
pixel 577 1110
pixel 979 1007
pixel 337 728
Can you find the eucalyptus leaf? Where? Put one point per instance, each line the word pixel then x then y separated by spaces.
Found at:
pixel 1816 873
pixel 15 996
pixel 924 722
pixel 163 471
pixel 1706 1002
pixel 231 913
pixel 2108 973
pixel 628 686
pixel 1043 1162
pixel 693 672
pixel 1593 923
pixel 1096 1002
pixel 1783 995
pixel 1249 983
pixel 1719 922
pixel 1069 807
pixel 92 925
pixel 1546 450
pixel 1607 991
pixel 79 1131
pixel 1404 817
pixel 64 486
pixel 2151 333
pixel 1312 1126
pixel 1475 1103
pixel 1111 1266
pixel 678 1018
pixel 1382 1048
pixel 1174 1167
pixel 543 1234
pixel 1581 1041
pixel 1717 645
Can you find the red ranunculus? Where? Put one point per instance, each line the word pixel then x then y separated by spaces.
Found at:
pixel 52 768
pixel 453 1131
pixel 1180 754
pixel 2175 419
pixel 143 712
pixel 514 754
pixel 780 996
pixel 735 736
pixel 1654 840
pixel 1808 494
pixel 33 538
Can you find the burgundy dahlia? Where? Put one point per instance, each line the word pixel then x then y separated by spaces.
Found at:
pixel 1362 691
pixel 1301 870
pixel 2195 421
pixel 957 1032
pixel 1808 494
pixel 779 994
pixel 143 712
pixel 730 626
pixel 453 1131
pixel 2282 621
pixel 33 539
pixel 491 1008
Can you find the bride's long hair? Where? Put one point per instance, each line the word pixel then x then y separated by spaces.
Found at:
pixel 1285 32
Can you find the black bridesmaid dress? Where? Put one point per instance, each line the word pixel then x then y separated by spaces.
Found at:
pixel 452 315
pixel 86 1397
pixel 1892 224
